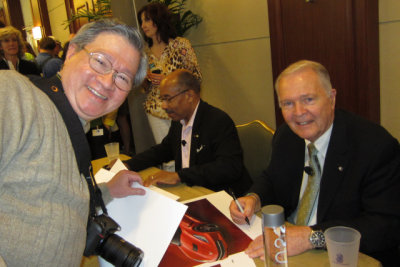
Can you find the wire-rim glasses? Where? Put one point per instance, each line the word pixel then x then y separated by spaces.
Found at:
pixel 169 99
pixel 99 63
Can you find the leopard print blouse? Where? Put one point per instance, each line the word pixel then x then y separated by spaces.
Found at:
pixel 178 54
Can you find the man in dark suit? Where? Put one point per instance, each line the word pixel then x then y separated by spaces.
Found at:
pixel 202 140
pixel 359 164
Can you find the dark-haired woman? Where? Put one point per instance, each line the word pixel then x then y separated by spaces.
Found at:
pixel 166 52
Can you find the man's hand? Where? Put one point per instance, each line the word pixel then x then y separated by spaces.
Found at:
pixel 256 248
pixel 155 78
pixel 163 177
pixel 121 184
pixel 297 240
pixel 249 205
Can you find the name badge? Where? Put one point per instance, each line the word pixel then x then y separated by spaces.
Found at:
pixel 97 132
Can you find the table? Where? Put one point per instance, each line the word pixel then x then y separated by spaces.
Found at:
pixel 311 258
pixel 183 191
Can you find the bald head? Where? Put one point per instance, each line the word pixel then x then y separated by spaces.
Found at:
pixel 180 94
pixel 184 80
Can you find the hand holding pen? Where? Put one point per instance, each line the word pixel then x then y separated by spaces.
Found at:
pixel 238 205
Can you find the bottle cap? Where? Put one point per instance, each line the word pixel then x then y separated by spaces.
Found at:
pixel 273 216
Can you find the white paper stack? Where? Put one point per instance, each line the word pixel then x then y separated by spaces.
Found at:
pixel 148 222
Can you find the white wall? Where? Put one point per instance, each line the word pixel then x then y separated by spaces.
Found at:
pixel 389 34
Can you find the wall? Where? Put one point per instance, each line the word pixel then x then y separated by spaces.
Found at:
pixel 233 48
pixel 389 29
pixel 57 16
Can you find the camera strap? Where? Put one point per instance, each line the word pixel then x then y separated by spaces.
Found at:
pixel 54 90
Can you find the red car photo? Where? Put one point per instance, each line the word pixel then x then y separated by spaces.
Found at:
pixel 199 240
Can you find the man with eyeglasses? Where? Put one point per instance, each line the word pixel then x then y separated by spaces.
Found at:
pixel 202 140
pixel 44 156
pixel 328 168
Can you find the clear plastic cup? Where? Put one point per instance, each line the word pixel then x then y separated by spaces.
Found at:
pixel 343 245
pixel 112 150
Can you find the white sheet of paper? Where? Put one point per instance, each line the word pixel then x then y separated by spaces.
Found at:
pixel 104 175
pixel 236 260
pixel 221 200
pixel 145 221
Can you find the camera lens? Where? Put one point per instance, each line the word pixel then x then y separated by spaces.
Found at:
pixel 120 252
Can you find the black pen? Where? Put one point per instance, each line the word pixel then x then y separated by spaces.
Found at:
pixel 238 205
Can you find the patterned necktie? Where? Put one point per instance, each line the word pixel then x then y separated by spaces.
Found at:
pixel 308 200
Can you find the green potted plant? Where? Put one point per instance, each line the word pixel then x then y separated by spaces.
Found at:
pixel 101 9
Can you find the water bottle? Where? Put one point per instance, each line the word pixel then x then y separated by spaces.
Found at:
pixel 274 233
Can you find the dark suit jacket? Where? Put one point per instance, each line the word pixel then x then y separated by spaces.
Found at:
pixel 360 185
pixel 24 67
pixel 216 159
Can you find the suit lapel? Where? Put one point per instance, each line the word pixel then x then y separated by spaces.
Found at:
pixel 336 162
pixel 297 148
pixel 176 127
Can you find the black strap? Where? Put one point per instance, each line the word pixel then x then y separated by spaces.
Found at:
pixel 54 90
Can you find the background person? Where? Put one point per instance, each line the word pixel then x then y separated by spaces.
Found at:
pixel 12 50
pixel 44 156
pixel 166 53
pixel 47 60
pixel 357 183
pixel 29 53
pixel 202 140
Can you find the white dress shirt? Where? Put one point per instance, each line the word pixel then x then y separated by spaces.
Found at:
pixel 321 144
pixel 186 138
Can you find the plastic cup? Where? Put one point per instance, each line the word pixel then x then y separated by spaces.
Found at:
pixel 112 150
pixel 343 244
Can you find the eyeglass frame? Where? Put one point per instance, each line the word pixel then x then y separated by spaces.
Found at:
pixel 114 72
pixel 169 99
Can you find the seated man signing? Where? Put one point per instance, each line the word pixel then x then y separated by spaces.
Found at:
pixel 328 168
pixel 202 140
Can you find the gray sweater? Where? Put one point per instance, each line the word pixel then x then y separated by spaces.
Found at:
pixel 44 202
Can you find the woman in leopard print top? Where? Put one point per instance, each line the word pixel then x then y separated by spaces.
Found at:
pixel 166 52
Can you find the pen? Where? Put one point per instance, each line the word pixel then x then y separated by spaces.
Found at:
pixel 238 205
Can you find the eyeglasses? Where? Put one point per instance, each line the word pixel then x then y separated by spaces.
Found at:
pixel 169 99
pixel 99 63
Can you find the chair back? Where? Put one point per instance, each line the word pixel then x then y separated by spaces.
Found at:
pixel 256 140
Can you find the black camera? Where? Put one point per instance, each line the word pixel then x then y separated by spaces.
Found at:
pixel 102 241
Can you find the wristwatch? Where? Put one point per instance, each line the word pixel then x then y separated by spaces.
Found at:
pixel 317 239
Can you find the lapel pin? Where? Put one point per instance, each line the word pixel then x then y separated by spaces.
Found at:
pixel 199 149
pixel 196 136
pixel 340 168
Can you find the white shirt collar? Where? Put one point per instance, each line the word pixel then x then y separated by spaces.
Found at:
pixel 190 122
pixel 321 144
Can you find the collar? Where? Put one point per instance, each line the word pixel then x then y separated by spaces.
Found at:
pixel 10 64
pixel 191 121
pixel 321 144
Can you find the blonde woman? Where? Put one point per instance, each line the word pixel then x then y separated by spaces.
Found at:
pixel 12 50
